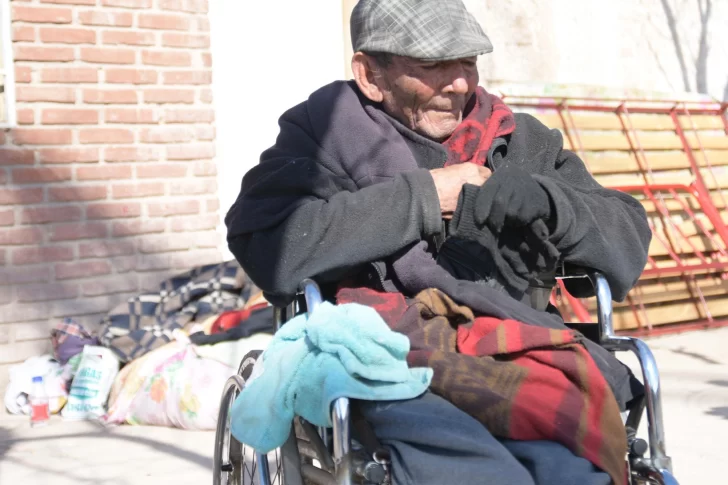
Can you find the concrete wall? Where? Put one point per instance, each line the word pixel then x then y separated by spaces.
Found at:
pixel 269 56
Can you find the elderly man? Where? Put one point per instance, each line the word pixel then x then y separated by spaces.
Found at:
pixel 412 177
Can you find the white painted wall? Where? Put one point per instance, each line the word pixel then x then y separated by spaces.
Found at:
pixel 267 57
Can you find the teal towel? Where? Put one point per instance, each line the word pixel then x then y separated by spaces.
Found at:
pixel 339 351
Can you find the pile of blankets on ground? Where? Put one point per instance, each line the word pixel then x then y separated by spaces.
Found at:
pixel 175 348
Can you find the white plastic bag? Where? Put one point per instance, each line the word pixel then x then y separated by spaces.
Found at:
pixel 91 384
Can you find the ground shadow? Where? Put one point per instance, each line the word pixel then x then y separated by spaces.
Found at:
pixel 718 382
pixel 721 412
pixel 695 355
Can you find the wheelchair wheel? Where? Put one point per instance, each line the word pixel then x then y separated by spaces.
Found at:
pixel 237 464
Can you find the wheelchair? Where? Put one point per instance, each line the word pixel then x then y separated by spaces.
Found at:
pixel 348 454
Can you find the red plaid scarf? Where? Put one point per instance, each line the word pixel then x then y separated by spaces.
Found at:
pixel 489 119
pixel 521 381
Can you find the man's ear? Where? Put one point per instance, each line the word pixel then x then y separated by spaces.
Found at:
pixel 365 70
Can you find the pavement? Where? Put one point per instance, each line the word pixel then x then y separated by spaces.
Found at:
pixel 693 366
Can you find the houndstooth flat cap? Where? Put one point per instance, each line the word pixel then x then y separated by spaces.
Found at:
pixel 433 30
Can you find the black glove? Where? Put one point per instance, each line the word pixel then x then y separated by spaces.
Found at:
pixel 511 195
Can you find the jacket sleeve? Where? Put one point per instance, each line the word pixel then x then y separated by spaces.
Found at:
pixel 295 219
pixel 594 227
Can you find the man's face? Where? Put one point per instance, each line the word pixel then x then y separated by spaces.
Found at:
pixel 428 97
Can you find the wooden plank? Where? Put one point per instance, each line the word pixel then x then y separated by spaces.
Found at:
pixel 607 162
pixel 610 140
pixel 584 120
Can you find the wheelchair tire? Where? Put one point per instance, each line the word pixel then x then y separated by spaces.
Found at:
pixel 237 464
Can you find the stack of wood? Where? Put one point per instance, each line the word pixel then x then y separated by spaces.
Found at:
pixel 674 158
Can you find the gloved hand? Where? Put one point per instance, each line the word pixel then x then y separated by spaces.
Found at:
pixel 511 196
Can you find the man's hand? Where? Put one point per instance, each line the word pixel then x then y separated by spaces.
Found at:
pixel 511 195
pixel 450 180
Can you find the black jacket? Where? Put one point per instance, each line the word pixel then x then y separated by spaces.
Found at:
pixel 347 185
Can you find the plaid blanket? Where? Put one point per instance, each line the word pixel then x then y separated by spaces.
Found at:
pixel 148 321
pixel 521 381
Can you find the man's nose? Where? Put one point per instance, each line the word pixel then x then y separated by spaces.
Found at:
pixel 460 85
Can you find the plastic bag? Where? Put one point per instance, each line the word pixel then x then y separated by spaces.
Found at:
pixel 170 386
pixel 91 384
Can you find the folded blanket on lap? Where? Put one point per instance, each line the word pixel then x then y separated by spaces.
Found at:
pixel 339 351
pixel 521 381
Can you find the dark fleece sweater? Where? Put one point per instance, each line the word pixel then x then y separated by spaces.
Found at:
pixel 345 185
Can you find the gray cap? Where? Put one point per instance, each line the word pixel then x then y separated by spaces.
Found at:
pixel 433 30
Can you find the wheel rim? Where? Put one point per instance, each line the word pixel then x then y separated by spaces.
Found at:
pixel 234 462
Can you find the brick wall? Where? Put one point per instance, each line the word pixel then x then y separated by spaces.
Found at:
pixel 107 185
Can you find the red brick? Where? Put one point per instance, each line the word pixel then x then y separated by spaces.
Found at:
pixel 47 292
pixel 191 151
pixel 73 232
pixel 166 58
pixel 45 254
pixel 207 59
pixel 69 75
pixel 187 77
pixel 106 17
pixel 13 276
pixel 130 115
pixel 44 215
pixel 104 172
pixel 163 21
pixel 19 236
pixel 115 37
pixel 71 2
pixel 43 54
pixel 105 249
pixel 26 116
pixel 70 117
pixel 206 95
pixel 205 132
pixel 42 136
pixel 69 155
pixel 23 33
pixel 204 169
pixel 109 96
pixel 152 262
pixel 33 94
pixel 124 264
pixel 23 74
pixel 161 170
pixel 127 3
pixel 41 175
pixel 112 210
pixel 82 269
pixel 106 135
pixel 142 189
pixel 137 227
pixel 192 6
pixel 164 96
pixel 189 115
pixel 165 243
pixel 7 217
pixel 67 36
pixel 132 154
pixel 189 41
pixel 80 193
pixel 21 196
pixel 190 259
pixel 203 24
pixel 108 55
pixel 10 156
pixel 195 223
pixel 131 76
pixel 173 208
pixel 4 176
pixel 113 285
pixel 48 15
pixel 193 187
pixel 212 205
pixel 208 239
pixel 166 134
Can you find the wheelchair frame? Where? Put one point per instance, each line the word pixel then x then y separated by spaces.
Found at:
pixel 339 455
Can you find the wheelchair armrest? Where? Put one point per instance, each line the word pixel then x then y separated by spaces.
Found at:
pixel 604 299
pixel 312 294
